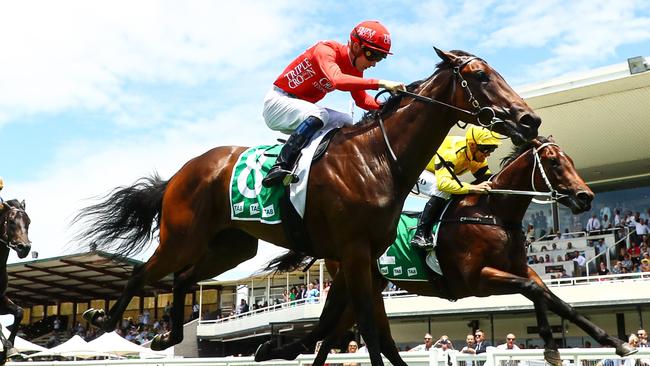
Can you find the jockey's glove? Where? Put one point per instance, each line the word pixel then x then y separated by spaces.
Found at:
pixel 391 85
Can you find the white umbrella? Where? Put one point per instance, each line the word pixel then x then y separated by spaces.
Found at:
pixel 114 343
pixel 73 347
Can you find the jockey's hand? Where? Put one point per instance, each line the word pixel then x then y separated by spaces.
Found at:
pixel 483 187
pixel 392 85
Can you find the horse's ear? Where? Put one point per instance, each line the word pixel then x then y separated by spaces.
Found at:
pixel 551 139
pixel 22 204
pixel 445 56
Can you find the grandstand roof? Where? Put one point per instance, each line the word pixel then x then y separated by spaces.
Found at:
pixel 74 278
pixel 600 117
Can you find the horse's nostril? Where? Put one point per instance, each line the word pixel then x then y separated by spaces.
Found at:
pixel 584 197
pixel 531 120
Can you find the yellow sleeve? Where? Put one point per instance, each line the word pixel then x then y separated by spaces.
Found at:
pixel 447 183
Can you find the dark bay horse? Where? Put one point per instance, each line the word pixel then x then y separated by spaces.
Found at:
pixel 355 194
pixel 483 259
pixel 14 227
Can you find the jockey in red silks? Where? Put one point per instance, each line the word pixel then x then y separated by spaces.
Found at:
pixel 289 107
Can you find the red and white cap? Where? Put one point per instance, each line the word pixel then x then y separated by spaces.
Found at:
pixel 372 34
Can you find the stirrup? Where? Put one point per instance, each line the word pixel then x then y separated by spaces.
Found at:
pixel 289 179
pixel 291 176
pixel 422 242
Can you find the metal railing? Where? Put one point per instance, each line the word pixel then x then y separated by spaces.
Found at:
pixel 625 238
pixel 558 282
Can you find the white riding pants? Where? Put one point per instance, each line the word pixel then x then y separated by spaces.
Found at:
pixel 427 185
pixel 284 113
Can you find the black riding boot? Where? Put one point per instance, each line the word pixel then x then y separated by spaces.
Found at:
pixel 289 153
pixel 423 238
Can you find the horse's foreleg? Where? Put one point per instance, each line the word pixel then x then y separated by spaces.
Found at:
pixel 387 344
pixel 333 317
pixel 8 307
pixel 494 281
pixel 566 311
pixel 357 269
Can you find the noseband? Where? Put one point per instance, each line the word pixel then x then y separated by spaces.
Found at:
pixel 4 239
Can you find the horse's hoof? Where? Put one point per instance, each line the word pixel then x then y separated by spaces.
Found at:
pixel 263 352
pixel 156 343
pixel 161 342
pixel 91 315
pixel 624 349
pixel 552 356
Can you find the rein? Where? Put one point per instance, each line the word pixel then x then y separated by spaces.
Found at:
pixel 481 113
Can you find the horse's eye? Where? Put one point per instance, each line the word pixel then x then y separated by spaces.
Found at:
pixel 482 76
pixel 555 163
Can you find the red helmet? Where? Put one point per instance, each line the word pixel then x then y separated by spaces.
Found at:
pixel 372 34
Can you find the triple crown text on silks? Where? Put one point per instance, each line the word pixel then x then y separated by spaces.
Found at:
pixel 249 200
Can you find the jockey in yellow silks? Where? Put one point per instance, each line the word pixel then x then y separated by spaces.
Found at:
pixel 457 154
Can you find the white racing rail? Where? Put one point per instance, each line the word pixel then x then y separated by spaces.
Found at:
pixel 529 357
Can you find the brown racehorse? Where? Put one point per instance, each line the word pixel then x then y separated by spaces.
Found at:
pixel 482 259
pixel 355 194
pixel 14 227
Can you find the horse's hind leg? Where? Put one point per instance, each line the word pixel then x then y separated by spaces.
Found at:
pixel 226 250
pixel 357 269
pixel 164 261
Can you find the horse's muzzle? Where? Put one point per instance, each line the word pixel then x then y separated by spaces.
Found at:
pixel 529 124
pixel 22 249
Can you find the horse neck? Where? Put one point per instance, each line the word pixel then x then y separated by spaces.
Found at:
pixel 4 255
pixel 416 130
pixel 515 176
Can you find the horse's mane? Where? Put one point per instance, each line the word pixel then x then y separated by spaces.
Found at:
pixel 519 150
pixel 394 101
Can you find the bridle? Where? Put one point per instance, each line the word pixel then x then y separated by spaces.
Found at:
pixel 4 239
pixel 485 116
pixel 553 194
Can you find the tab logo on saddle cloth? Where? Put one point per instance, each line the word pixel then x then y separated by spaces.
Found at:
pixel 400 261
pixel 249 200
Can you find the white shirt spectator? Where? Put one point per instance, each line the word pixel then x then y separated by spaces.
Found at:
pixel 593 224
pixel 641 228
pixel 580 260
pixel 505 347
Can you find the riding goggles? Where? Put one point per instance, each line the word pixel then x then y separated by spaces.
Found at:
pixel 486 149
pixel 373 55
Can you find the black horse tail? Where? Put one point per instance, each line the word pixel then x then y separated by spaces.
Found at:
pixel 288 262
pixel 123 222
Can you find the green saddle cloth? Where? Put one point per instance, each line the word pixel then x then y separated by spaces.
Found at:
pixel 249 199
pixel 401 261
